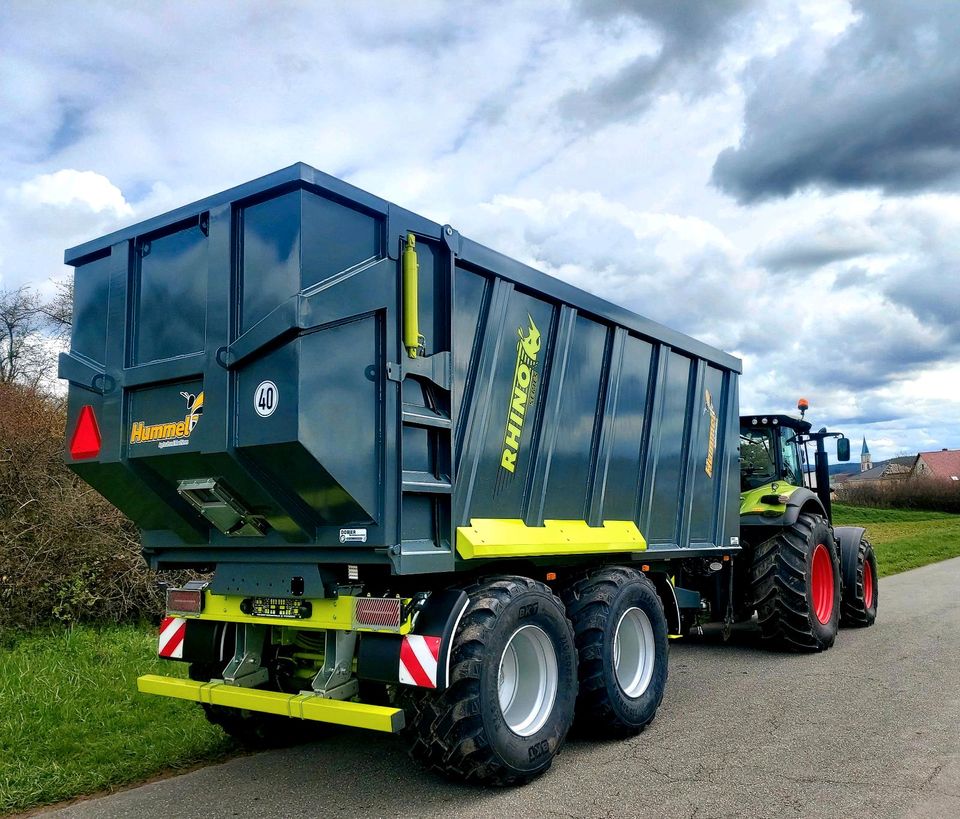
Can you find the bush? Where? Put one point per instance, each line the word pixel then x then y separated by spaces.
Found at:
pixel 933 494
pixel 66 554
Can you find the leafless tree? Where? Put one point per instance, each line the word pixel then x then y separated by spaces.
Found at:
pixel 58 312
pixel 23 358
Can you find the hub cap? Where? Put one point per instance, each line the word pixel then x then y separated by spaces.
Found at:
pixel 822 585
pixel 527 682
pixel 634 652
pixel 867 584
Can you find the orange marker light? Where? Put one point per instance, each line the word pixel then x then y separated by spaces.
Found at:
pixel 551 575
pixel 645 568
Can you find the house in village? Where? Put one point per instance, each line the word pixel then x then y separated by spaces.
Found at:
pixel 943 464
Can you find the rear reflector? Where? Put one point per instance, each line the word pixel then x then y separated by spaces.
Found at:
pixel 185 601
pixel 85 442
pixel 378 611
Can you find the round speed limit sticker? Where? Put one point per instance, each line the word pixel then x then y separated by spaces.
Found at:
pixel 265 399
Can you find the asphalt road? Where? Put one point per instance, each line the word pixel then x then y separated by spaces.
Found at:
pixel 870 728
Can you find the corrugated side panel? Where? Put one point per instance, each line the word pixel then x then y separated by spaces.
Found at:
pixel 565 416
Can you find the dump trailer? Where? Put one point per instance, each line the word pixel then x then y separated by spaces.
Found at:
pixel 423 487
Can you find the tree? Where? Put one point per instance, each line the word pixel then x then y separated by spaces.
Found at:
pixel 31 332
pixel 23 356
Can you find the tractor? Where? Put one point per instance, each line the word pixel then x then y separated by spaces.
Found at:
pixel 802 575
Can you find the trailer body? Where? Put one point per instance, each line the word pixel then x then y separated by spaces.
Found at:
pixel 256 407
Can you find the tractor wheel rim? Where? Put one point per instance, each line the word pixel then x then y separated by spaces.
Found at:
pixel 634 652
pixel 867 584
pixel 527 680
pixel 822 584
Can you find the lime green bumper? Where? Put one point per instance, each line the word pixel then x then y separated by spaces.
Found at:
pixel 298 706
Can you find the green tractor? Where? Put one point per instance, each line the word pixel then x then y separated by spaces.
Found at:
pixel 802 575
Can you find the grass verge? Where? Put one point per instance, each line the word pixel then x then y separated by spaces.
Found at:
pixel 72 722
pixel 904 539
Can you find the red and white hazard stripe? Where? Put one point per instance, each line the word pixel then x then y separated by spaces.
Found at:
pixel 172 632
pixel 418 660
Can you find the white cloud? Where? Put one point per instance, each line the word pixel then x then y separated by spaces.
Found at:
pixel 69 188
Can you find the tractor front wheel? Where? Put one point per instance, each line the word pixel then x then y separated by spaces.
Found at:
pixel 860 592
pixel 795 585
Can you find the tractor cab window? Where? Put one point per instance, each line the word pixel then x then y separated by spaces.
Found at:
pixel 758 463
pixel 791 458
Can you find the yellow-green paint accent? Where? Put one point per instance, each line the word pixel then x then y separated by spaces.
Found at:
pixel 496 537
pixel 327 613
pixel 299 706
pixel 750 503
pixel 411 313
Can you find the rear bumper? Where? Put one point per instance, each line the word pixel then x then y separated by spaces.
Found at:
pixel 298 706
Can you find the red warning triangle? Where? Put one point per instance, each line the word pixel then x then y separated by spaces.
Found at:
pixel 86 437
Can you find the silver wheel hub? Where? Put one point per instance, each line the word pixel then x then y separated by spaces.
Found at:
pixel 634 652
pixel 527 680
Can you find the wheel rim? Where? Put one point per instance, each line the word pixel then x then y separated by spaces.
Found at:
pixel 867 584
pixel 634 652
pixel 822 584
pixel 527 680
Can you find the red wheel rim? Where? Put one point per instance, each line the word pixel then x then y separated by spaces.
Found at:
pixel 867 584
pixel 822 585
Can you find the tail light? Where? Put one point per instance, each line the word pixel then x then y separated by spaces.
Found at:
pixel 186 600
pixel 378 611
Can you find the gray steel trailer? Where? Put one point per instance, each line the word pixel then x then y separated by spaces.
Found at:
pixel 337 406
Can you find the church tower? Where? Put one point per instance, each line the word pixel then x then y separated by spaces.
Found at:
pixel 866 462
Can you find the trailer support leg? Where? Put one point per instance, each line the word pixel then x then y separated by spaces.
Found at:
pixel 335 681
pixel 246 669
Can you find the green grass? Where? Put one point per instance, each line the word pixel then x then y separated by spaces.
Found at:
pixel 904 539
pixel 72 722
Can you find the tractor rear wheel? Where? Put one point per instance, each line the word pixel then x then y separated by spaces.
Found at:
pixel 621 635
pixel 510 697
pixel 860 592
pixel 795 585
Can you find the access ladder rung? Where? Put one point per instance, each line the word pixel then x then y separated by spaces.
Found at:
pixel 424 417
pixel 414 481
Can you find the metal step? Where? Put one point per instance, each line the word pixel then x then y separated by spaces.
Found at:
pixel 424 482
pixel 424 417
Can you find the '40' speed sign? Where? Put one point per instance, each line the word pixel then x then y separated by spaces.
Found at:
pixel 266 398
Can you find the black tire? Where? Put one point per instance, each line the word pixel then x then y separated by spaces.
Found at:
pixel 783 586
pixel 252 729
pixel 462 732
pixel 860 590
pixel 597 604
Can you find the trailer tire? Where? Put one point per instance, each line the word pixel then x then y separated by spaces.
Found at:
pixel 795 585
pixel 509 630
pixel 860 591
pixel 252 729
pixel 621 636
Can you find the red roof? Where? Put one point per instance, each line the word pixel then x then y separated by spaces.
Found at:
pixel 943 463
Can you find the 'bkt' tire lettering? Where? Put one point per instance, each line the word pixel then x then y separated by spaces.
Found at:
pixel 537 750
pixel 528 610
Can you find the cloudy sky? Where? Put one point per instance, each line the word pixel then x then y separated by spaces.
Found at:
pixel 780 179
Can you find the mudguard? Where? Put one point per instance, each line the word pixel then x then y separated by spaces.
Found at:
pixel 848 547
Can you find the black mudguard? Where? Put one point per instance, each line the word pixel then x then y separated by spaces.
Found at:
pixel 848 546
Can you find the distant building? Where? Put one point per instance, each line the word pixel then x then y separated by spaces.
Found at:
pixel 894 469
pixel 943 464
pixel 866 462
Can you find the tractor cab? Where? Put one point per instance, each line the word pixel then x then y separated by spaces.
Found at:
pixel 775 461
pixel 770 451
